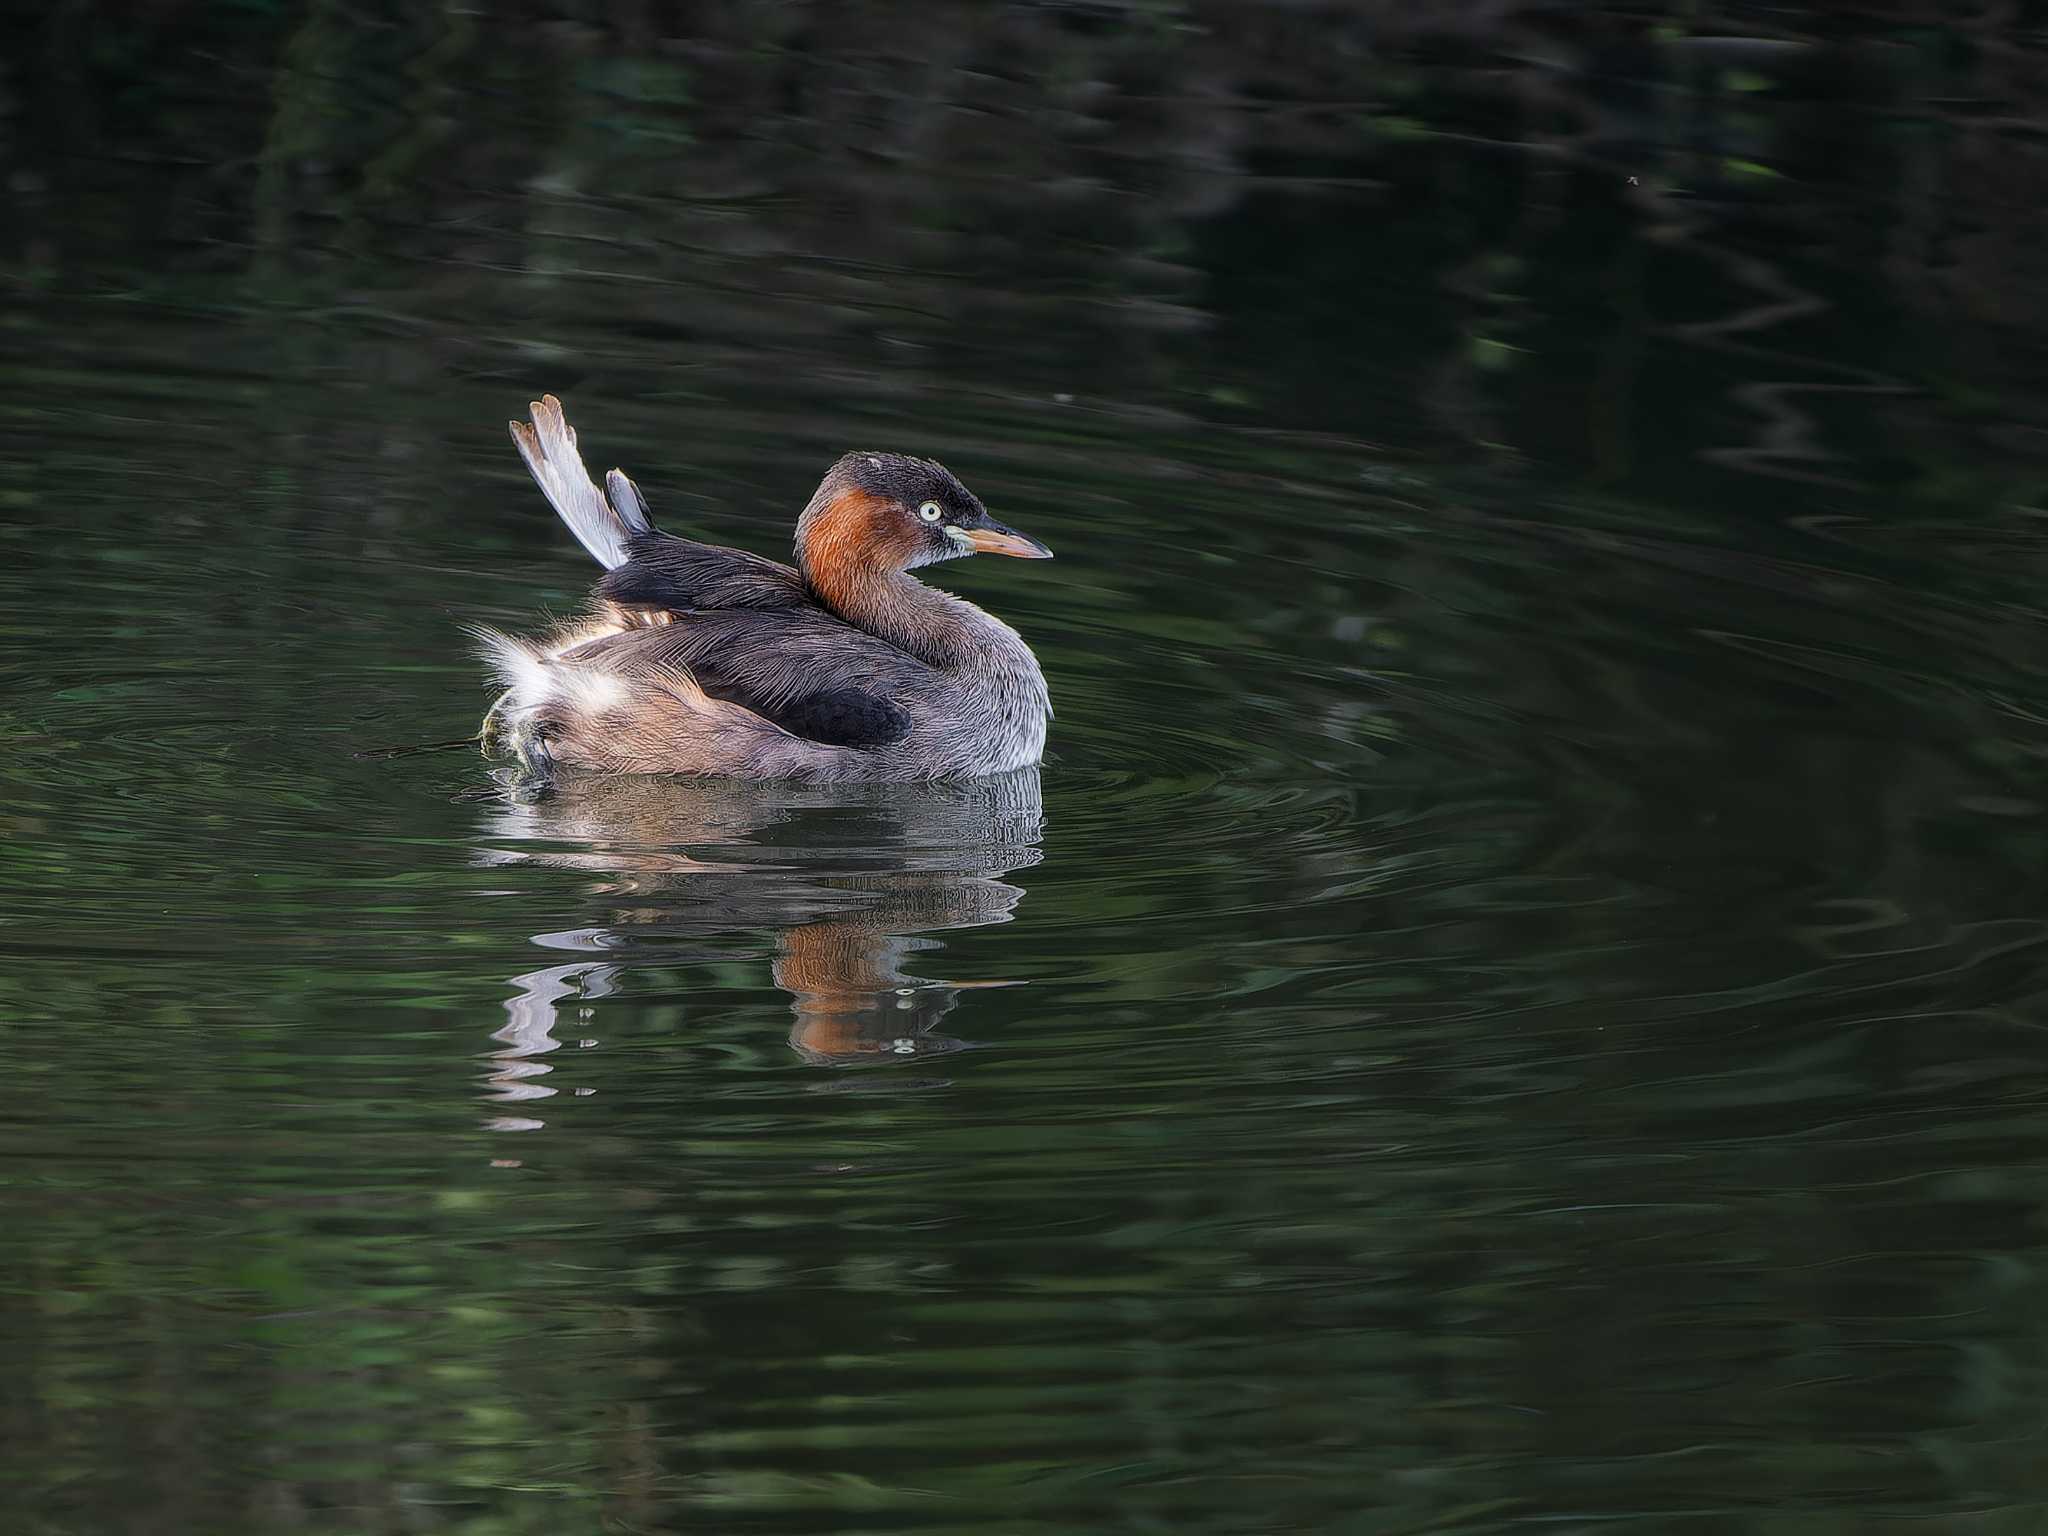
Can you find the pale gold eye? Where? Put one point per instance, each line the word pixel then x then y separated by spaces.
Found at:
pixel 930 512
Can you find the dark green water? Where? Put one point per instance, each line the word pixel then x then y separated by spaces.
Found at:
pixel 1515 1002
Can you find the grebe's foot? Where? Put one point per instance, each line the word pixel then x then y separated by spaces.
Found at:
pixel 517 733
pixel 491 735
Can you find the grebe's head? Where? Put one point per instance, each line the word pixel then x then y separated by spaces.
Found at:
pixel 889 512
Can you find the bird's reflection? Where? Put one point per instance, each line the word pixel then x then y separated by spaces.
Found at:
pixel 849 880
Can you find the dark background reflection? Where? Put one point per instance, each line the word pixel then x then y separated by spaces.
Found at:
pixel 1515 1001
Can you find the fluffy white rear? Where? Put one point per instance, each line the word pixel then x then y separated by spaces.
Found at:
pixel 538 685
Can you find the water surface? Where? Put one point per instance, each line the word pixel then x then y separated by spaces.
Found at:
pixel 1513 1003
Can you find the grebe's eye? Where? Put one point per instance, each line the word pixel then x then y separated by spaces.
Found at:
pixel 930 512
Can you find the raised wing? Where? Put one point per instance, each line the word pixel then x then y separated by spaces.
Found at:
pixel 680 575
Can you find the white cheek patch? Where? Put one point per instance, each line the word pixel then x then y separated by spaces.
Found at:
pixel 960 540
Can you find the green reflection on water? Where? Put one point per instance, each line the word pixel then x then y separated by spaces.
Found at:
pixel 1513 1001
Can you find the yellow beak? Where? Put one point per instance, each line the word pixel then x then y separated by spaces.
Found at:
pixel 1005 541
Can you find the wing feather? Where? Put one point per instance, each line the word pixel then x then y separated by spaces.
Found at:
pixel 806 671
pixel 683 576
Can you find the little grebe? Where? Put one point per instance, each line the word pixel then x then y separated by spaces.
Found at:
pixel 699 659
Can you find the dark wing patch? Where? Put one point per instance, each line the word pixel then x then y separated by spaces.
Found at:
pixel 839 717
pixel 810 673
pixel 684 576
